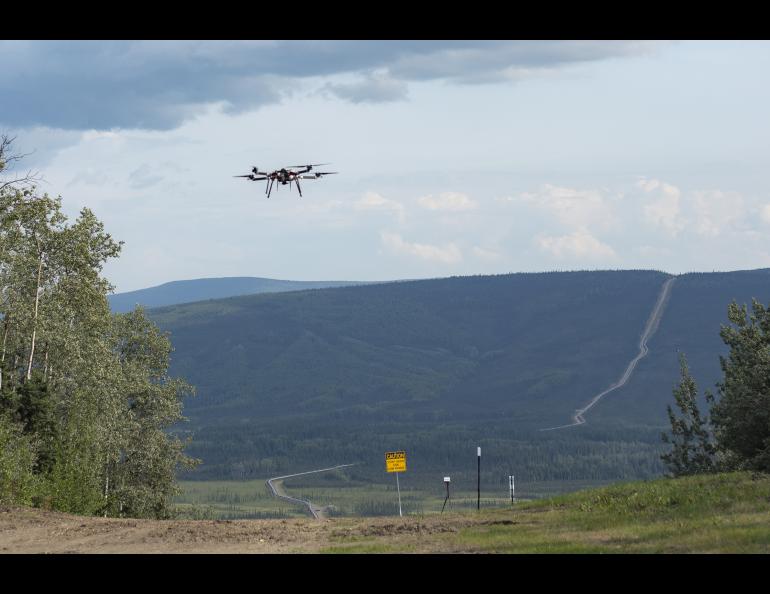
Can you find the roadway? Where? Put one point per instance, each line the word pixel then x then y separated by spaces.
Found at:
pixel 275 485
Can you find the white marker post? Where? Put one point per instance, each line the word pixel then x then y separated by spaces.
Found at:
pixel 478 479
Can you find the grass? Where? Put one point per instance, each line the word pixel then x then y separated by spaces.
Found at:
pixel 725 513
pixel 226 500
pixel 349 498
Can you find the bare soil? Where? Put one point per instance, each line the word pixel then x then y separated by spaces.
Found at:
pixel 29 530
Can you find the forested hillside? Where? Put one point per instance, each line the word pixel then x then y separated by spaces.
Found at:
pixel 529 347
pixel 696 310
pixel 432 366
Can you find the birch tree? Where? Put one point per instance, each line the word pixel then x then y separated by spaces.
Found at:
pixel 85 393
pixel 145 477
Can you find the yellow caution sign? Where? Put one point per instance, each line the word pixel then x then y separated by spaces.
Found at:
pixel 395 461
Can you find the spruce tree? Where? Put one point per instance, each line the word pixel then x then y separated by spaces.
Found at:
pixel 693 450
pixel 741 416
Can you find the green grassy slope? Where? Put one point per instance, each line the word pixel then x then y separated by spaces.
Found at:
pixel 724 513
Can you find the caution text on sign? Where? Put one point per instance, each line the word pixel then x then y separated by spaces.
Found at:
pixel 395 461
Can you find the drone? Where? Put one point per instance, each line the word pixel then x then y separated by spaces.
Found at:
pixel 286 175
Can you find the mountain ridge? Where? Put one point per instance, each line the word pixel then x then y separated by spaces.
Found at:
pixel 204 289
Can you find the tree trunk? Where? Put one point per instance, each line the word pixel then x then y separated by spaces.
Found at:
pixel 2 359
pixel 106 489
pixel 34 317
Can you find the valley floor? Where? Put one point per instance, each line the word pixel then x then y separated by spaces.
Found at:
pixel 710 514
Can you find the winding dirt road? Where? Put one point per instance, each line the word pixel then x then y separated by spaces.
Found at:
pixel 319 513
pixel 649 329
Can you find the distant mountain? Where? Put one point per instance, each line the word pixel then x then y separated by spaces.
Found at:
pixel 201 289
pixel 439 366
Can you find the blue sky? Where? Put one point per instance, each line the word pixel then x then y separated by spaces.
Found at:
pixel 455 157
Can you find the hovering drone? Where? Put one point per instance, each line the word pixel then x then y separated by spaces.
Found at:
pixel 286 175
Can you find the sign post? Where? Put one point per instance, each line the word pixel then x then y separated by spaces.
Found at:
pixel 478 479
pixel 446 482
pixel 510 484
pixel 396 462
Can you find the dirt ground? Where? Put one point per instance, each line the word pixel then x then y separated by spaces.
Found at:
pixel 26 530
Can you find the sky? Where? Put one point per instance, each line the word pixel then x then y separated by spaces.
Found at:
pixel 454 157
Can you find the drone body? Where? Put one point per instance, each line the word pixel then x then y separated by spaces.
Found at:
pixel 286 175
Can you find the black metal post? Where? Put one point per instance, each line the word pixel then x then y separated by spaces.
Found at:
pixel 447 497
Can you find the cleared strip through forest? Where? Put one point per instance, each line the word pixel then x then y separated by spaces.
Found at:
pixel 649 329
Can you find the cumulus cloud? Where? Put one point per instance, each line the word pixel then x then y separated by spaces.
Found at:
pixel 716 211
pixel 572 207
pixel 485 254
pixel 447 254
pixel 664 211
pixel 377 202
pixel 78 85
pixel 452 201
pixel 580 245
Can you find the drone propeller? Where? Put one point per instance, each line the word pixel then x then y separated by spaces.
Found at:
pixel 251 176
pixel 309 166
pixel 317 175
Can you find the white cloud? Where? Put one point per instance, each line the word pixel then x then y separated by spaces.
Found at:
pixel 453 201
pixel 648 185
pixel 579 245
pixel 573 208
pixel 652 251
pixel 486 254
pixel 665 210
pixel 716 211
pixel 764 213
pixel 447 254
pixel 377 202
